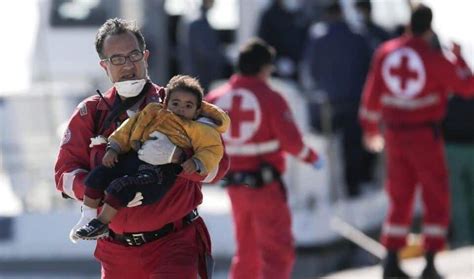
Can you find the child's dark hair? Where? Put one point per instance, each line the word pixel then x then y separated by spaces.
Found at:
pixel 185 83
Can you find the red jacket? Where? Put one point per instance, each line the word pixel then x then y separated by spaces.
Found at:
pixel 409 83
pixel 76 159
pixel 262 126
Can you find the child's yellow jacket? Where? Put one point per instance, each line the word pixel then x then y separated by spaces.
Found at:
pixel 203 139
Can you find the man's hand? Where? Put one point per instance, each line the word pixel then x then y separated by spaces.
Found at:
pixel 319 163
pixel 158 150
pixel 374 142
pixel 456 49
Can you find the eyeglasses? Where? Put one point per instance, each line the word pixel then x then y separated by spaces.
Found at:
pixel 117 60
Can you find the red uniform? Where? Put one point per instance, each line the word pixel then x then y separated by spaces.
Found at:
pixel 406 91
pixel 262 130
pixel 172 256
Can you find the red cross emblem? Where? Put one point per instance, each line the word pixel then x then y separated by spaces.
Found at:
pixel 245 114
pixel 238 115
pixel 404 73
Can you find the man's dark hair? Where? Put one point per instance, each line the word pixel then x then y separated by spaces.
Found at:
pixel 333 8
pixel 420 21
pixel 117 26
pixel 364 4
pixel 253 56
pixel 185 83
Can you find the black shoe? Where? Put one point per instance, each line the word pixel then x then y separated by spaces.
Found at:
pixel 392 271
pixel 95 229
pixel 430 272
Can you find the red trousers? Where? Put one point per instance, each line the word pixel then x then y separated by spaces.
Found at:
pixel 416 159
pixel 177 255
pixel 265 247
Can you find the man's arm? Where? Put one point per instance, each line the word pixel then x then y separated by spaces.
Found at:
pixel 73 161
pixel 370 107
pixel 214 175
pixel 287 133
pixel 160 150
pixel 456 75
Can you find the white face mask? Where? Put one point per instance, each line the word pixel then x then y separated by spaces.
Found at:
pixel 129 88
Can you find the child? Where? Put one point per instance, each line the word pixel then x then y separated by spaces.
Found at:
pixel 183 103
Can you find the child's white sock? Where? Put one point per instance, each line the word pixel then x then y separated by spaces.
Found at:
pixel 87 214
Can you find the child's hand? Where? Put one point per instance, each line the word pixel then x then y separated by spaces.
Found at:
pixel 136 144
pixel 189 166
pixel 110 158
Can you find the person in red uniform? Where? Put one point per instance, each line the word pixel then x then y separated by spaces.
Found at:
pixel 165 239
pixel 261 132
pixel 405 98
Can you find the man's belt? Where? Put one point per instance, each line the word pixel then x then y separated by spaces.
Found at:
pixel 139 238
pixel 408 127
pixel 412 126
pixel 265 175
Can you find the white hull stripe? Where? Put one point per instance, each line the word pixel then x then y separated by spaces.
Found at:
pixel 211 175
pixel 434 230
pixel 395 230
pixel 410 104
pixel 304 153
pixel 372 116
pixel 253 148
pixel 68 182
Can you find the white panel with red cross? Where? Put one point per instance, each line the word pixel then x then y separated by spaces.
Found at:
pixel 404 73
pixel 245 114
